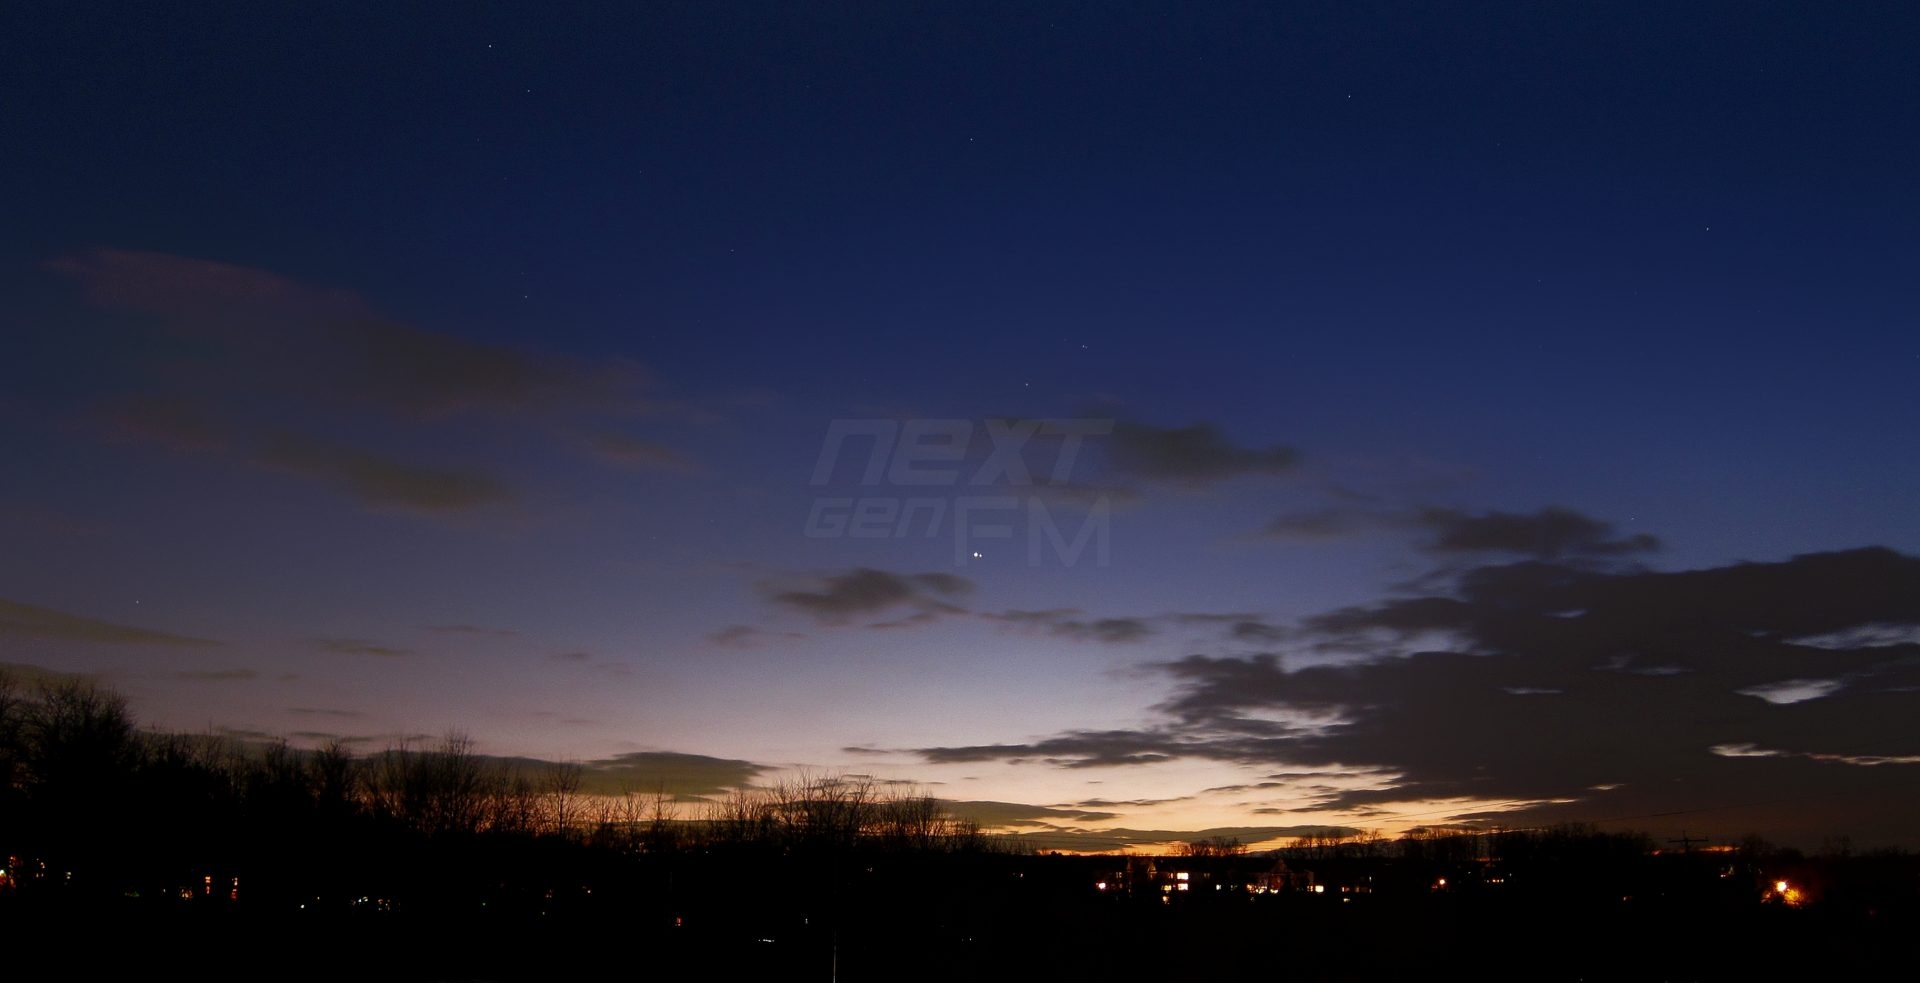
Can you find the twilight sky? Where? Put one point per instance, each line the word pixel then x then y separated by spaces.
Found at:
pixel 1126 420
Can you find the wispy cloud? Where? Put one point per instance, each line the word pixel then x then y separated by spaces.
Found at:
pixel 1552 533
pixel 278 361
pixel 359 646
pixel 381 483
pixel 326 712
pixel 1197 455
pixel 991 813
pixel 834 598
pixel 1068 623
pixel 1548 534
pixel 473 630
pixel 20 620
pixel 216 675
pixel 338 346
pixel 672 772
pixel 633 453
pixel 18 673
pixel 1119 840
pixel 747 636
pixel 180 423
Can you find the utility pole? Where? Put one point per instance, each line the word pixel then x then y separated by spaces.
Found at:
pixel 1686 842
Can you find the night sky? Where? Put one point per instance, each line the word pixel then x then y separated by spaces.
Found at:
pixel 1123 420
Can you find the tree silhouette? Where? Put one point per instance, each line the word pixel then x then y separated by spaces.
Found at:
pixel 1214 846
pixel 79 756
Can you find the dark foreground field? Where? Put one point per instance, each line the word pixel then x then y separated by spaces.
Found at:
pixel 1017 934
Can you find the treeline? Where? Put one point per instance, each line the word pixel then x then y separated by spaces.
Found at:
pixel 93 806
pixel 1563 863
pixel 291 862
pixel 1570 846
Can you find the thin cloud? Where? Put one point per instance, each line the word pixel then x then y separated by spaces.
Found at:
pixel 1210 617
pixel 1256 631
pixel 360 646
pixel 163 283
pixel 1331 523
pixel 247 734
pixel 671 772
pixel 377 482
pixel 216 675
pixel 1107 629
pixel 834 598
pixel 1078 495
pixel 19 620
pixel 272 352
pixel 179 423
pixel 473 630
pixel 1066 623
pixel 1552 533
pixel 1197 455
pixel 747 636
pixel 19 673
pixel 989 813
pixel 1121 839
pixel 634 454
pixel 334 343
pixel 587 661
pixel 381 483
pixel 1549 534
pixel 1119 629
pixel 1793 690
pixel 1075 749
pixel 430 375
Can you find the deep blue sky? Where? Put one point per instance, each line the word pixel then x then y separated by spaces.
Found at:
pixel 332 327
